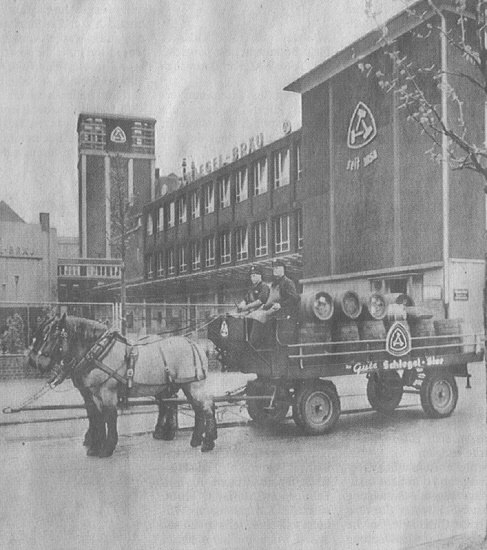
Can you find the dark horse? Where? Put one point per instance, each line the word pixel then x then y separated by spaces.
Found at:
pixel 102 364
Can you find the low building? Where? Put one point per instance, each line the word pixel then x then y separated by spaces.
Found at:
pixel 28 258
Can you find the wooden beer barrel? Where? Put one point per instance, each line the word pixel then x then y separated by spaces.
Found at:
pixel 399 298
pixel 376 306
pixel 447 327
pixel 416 313
pixel 373 330
pixel 348 305
pixel 316 332
pixel 348 333
pixel 423 333
pixel 316 306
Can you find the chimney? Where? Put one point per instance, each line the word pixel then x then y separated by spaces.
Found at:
pixel 44 221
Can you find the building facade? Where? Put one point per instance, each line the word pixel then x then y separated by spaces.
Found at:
pixel 28 259
pixel 115 155
pixel 200 239
pixel 379 214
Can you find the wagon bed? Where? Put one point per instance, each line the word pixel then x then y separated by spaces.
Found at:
pixel 299 374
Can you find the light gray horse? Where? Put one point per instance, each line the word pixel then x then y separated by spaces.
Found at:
pixel 160 368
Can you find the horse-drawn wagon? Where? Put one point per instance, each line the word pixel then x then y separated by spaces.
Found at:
pixel 397 346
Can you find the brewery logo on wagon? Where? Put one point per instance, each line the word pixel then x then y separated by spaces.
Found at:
pixel 224 329
pixel 398 340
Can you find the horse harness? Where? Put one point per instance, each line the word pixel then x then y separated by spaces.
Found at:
pixel 95 355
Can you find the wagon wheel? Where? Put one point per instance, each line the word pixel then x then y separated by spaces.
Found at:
pixel 258 410
pixel 317 407
pixel 384 391
pixel 439 394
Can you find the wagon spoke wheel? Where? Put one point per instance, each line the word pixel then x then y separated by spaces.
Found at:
pixel 439 394
pixel 384 391
pixel 260 410
pixel 317 407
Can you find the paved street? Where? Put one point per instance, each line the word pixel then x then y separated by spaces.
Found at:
pixel 374 483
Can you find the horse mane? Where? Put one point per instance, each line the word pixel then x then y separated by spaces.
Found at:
pixel 84 329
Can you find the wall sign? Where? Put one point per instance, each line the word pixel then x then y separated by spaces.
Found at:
pixel 460 294
pixel 118 135
pixel 362 128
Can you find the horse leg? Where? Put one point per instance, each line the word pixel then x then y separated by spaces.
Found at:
pixel 96 432
pixel 106 401
pixel 91 411
pixel 199 419
pixel 205 422
pixel 167 419
pixel 95 435
pixel 210 427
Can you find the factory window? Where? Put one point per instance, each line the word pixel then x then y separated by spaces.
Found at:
pixel 299 228
pixel 149 266
pixel 171 215
pixel 160 219
pixel 209 251
pixel 208 198
pixel 150 224
pixel 242 243
pixel 299 166
pixel 181 208
pixel 160 264
pixel 281 168
pixel 224 192
pixel 260 239
pixel 225 248
pixel 195 205
pixel 241 185
pixel 195 256
pixel 171 266
pixel 183 264
pixel 259 171
pixel 281 234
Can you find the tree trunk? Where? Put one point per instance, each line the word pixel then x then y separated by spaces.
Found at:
pixel 123 299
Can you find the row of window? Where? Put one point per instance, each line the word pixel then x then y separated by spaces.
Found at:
pixel 204 254
pixel 203 202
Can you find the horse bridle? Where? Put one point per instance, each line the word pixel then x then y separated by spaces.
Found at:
pixel 57 353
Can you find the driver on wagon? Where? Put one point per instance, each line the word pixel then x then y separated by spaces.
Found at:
pixel 257 294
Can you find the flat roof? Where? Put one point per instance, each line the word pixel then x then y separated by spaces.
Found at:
pixel 117 116
pixel 364 46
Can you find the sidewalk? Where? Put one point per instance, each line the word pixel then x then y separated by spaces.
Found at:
pixel 454 543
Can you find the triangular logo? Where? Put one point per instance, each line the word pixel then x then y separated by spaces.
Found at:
pixel 362 128
pixel 118 135
pixel 398 340
pixel 224 329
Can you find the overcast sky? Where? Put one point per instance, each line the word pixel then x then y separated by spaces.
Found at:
pixel 211 72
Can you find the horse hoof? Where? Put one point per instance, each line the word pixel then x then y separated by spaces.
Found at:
pixel 164 435
pixel 92 452
pixel 105 453
pixel 207 446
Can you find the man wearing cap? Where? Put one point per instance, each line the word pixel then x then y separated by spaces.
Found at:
pixel 257 294
pixel 283 296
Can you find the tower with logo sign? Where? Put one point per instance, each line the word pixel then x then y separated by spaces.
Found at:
pixel 102 141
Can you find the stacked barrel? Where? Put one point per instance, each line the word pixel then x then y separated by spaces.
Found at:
pixel 348 325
